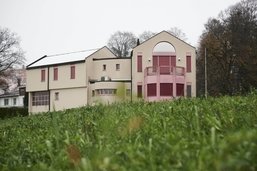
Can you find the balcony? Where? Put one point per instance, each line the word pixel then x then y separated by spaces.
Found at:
pixel 163 82
pixel 164 74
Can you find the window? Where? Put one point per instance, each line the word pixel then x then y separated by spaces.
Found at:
pixel 151 90
pixel 104 67
pixel 188 64
pixel 180 89
pixel 139 91
pixel 40 98
pixel 117 67
pixel 128 92
pixel 93 93
pixel 189 91
pixel 56 96
pixel 72 72
pixel 43 75
pixel 139 63
pixel 166 89
pixel 14 101
pixel 55 73
pixel 6 102
pixel 106 91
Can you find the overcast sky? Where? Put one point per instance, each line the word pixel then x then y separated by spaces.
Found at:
pixel 48 27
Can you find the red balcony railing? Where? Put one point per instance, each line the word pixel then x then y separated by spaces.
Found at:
pixel 164 70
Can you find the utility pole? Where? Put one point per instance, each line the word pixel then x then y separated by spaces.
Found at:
pixel 205 73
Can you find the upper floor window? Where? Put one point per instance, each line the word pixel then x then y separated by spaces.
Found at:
pixel 117 67
pixel 43 75
pixel 55 73
pixel 139 63
pixel 104 67
pixel 72 72
pixel 188 64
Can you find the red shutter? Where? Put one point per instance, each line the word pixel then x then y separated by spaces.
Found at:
pixel 139 63
pixel 43 75
pixel 173 61
pixel 55 73
pixel 188 64
pixel 139 91
pixel 166 89
pixel 72 72
pixel 151 90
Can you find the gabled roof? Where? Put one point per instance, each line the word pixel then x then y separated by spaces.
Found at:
pixel 167 33
pixel 63 58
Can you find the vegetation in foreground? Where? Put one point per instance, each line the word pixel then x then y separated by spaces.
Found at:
pixel 186 134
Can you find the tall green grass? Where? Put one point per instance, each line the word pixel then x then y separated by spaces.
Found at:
pixel 186 134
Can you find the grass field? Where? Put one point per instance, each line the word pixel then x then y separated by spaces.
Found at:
pixel 187 134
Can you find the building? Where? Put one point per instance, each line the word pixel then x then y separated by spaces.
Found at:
pixel 13 99
pixel 13 93
pixel 161 68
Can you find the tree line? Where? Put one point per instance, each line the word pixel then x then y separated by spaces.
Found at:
pixel 230 43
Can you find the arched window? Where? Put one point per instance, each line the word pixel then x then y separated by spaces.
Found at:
pixel 164 54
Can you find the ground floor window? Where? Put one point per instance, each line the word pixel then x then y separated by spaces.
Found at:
pixel 6 102
pixel 139 91
pixel 40 98
pixel 189 91
pixel 166 89
pixel 56 96
pixel 14 101
pixel 128 92
pixel 180 89
pixel 106 91
pixel 151 90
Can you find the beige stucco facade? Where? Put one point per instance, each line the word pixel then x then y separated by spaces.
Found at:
pixel 101 77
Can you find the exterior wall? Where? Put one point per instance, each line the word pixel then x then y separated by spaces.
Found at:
pixel 146 50
pixel 121 88
pixel 64 80
pixel 124 73
pixel 90 68
pixel 68 98
pixel 19 101
pixel 33 82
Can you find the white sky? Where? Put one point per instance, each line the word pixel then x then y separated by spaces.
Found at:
pixel 57 26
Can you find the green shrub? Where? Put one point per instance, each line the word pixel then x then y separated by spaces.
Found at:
pixel 13 112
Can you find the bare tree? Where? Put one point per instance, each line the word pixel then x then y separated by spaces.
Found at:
pixel 10 51
pixel 146 35
pixel 121 43
pixel 177 33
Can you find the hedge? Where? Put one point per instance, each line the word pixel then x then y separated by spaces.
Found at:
pixel 13 112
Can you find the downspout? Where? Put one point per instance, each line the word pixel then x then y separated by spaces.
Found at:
pixel 49 98
pixel 131 76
